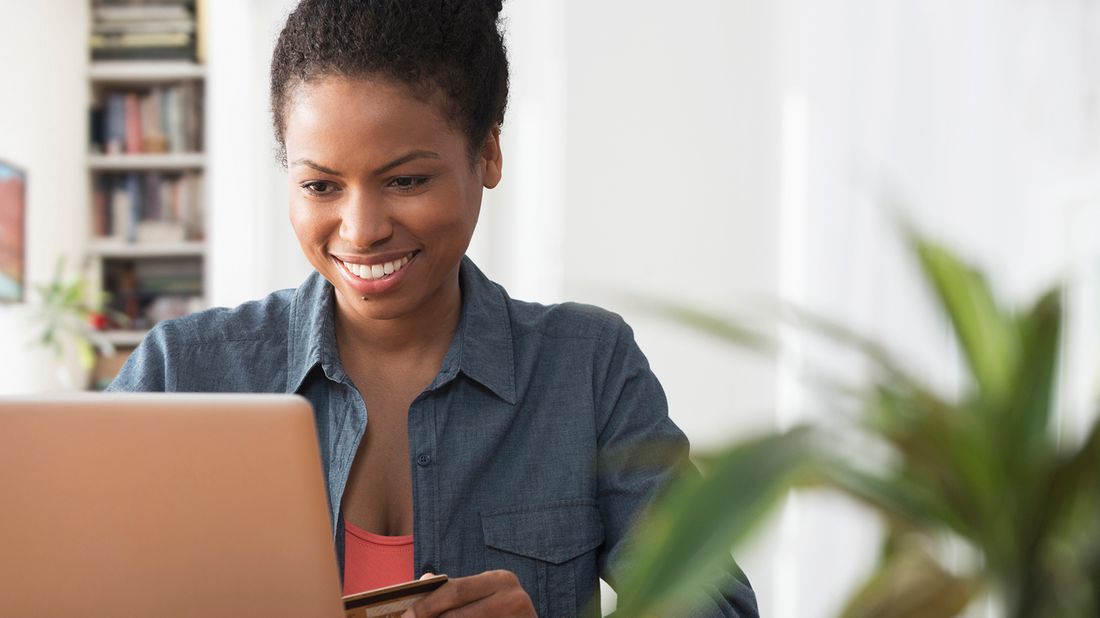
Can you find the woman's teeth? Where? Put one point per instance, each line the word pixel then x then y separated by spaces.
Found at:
pixel 376 271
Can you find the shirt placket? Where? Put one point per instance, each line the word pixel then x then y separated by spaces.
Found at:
pixel 425 476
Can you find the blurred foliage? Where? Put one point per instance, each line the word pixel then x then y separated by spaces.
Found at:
pixel 66 308
pixel 983 470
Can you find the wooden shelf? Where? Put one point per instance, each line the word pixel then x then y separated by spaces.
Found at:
pixel 124 338
pixel 144 71
pixel 128 162
pixel 120 249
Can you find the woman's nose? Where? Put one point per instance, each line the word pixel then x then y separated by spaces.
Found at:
pixel 365 221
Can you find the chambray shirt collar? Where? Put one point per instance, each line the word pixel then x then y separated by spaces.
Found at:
pixel 311 336
pixel 481 348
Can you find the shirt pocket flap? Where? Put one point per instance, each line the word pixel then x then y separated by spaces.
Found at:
pixel 555 533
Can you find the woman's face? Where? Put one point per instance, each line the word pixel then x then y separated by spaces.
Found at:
pixel 383 195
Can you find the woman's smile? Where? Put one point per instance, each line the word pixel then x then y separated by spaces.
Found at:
pixel 376 268
pixel 374 276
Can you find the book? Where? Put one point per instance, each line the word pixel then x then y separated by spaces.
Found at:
pixel 141 12
pixel 101 210
pixel 150 290
pixel 133 123
pixel 143 53
pixel 159 26
pixel 157 119
pixel 148 207
pixel 114 118
pixel 141 39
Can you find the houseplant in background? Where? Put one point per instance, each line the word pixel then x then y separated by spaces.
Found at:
pixel 984 469
pixel 66 310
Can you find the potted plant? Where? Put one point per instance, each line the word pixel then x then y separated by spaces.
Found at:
pixel 983 467
pixel 68 311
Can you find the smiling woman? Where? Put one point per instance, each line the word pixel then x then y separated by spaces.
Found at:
pixel 507 444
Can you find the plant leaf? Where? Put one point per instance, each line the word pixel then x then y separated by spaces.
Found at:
pixel 989 339
pixel 727 330
pixel 687 535
pixel 895 497
pixel 1033 385
pixel 911 584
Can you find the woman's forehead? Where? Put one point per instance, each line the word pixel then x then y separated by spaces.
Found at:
pixel 342 116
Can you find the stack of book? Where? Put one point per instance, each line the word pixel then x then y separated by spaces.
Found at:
pixel 152 290
pixel 148 207
pixel 150 120
pixel 143 30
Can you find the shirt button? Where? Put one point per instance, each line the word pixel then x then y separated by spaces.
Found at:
pixel 423 459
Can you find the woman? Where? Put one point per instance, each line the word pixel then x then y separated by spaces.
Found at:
pixel 462 431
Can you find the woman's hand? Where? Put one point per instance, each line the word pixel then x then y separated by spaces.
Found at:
pixel 492 593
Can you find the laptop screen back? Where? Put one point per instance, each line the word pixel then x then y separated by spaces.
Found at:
pixel 164 505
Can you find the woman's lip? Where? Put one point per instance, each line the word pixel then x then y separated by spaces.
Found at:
pixel 371 260
pixel 375 287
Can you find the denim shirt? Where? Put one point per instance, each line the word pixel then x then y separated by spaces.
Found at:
pixel 512 446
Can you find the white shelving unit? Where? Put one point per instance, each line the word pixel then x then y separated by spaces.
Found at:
pixel 141 74
pixel 143 162
pixel 144 71
pixel 117 249
pixel 124 338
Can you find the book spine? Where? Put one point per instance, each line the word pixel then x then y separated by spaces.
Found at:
pixel 133 123
pixel 192 123
pixel 101 207
pixel 139 13
pixel 120 210
pixel 148 192
pixel 175 119
pixel 116 123
pixel 97 123
pixel 133 188
pixel 190 201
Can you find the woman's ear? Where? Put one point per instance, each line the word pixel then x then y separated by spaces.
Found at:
pixel 490 159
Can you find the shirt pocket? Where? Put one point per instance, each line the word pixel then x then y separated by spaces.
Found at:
pixel 552 550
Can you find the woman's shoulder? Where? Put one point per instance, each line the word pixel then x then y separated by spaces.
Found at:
pixel 565 320
pixel 261 319
pixel 239 349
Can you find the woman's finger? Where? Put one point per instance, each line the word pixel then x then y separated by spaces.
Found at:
pixel 463 591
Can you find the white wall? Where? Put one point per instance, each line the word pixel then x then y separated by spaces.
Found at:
pixel 252 247
pixel 671 191
pixel 43 121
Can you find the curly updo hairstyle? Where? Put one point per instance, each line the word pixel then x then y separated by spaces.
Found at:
pixel 452 48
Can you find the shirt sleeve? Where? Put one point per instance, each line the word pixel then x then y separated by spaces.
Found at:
pixel 147 369
pixel 640 450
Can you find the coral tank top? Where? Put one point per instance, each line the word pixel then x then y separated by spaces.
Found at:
pixel 375 561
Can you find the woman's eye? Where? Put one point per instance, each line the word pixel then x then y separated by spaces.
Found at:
pixel 408 183
pixel 319 187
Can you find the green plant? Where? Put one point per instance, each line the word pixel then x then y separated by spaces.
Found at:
pixel 65 310
pixel 984 468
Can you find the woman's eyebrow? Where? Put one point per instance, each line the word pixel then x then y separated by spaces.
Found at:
pixel 415 154
pixel 317 166
pixel 411 156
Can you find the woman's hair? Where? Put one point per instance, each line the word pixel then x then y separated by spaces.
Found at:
pixel 450 51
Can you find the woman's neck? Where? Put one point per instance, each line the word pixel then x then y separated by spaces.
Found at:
pixel 426 330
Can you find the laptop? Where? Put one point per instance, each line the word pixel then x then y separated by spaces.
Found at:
pixel 164 505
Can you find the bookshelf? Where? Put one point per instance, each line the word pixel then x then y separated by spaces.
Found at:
pixel 146 166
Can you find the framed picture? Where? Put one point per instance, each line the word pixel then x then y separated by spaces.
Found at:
pixel 13 214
